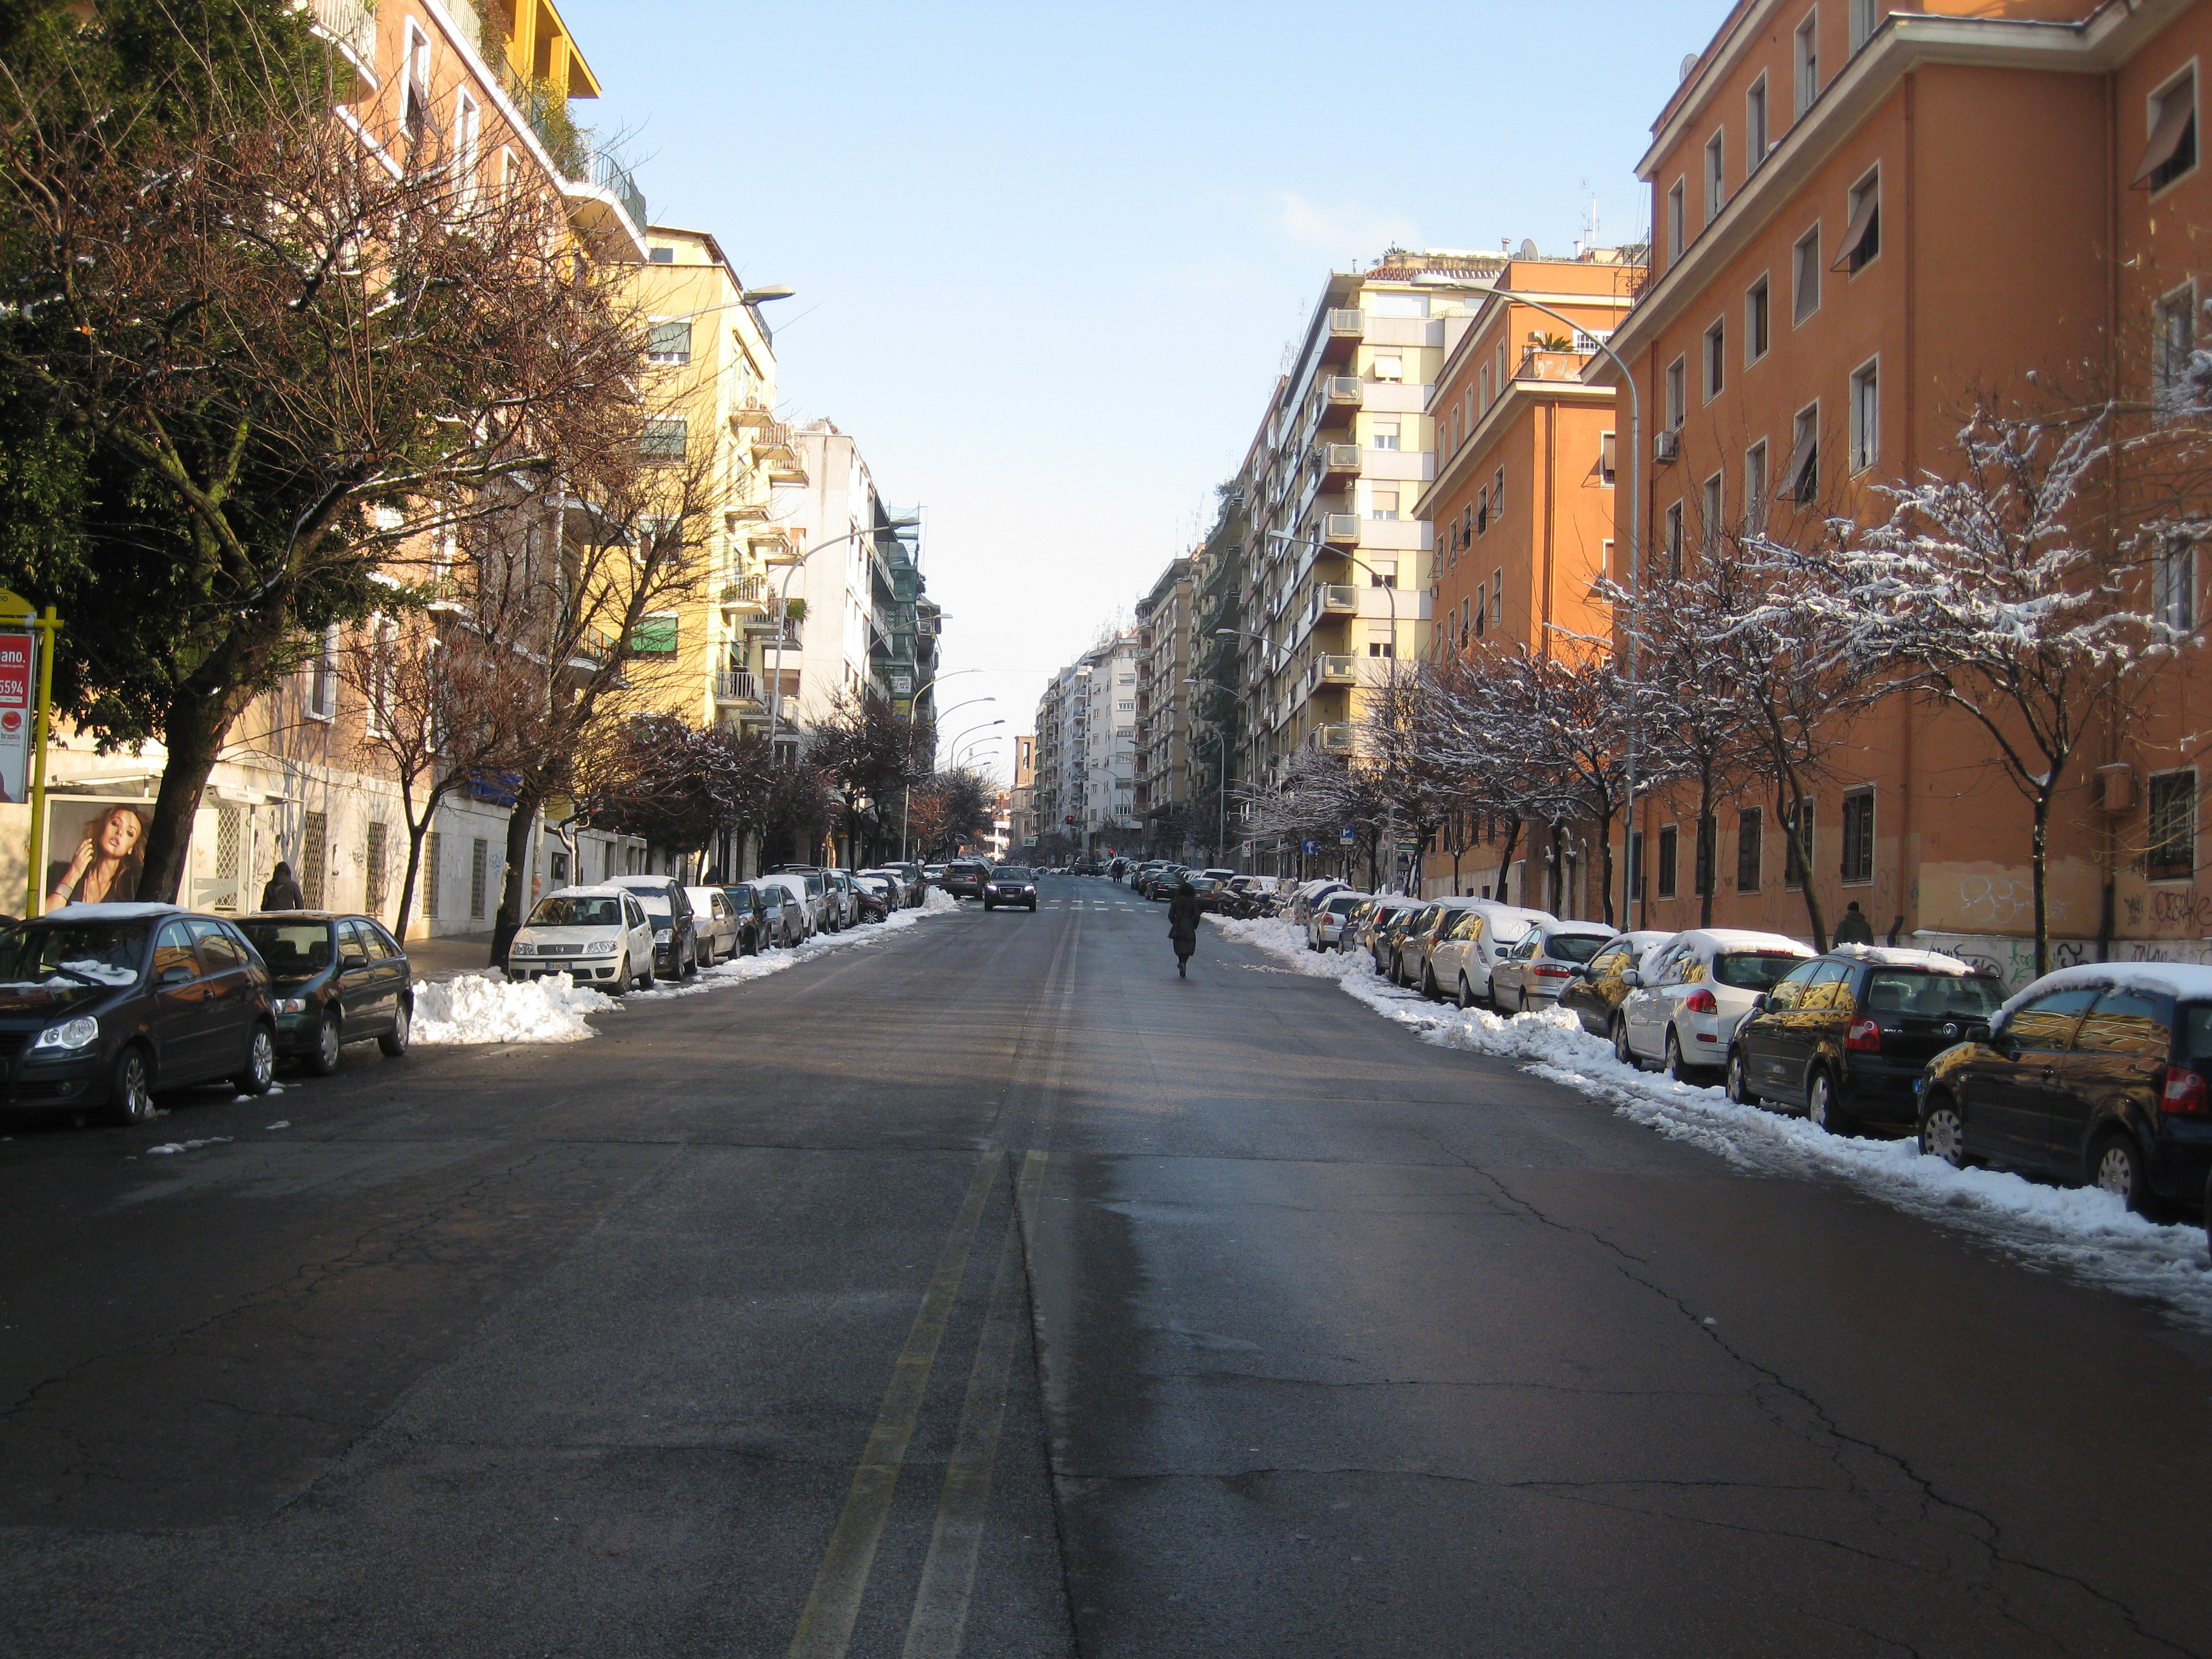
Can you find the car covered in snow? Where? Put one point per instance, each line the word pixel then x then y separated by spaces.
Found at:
pixel 1593 995
pixel 1328 922
pixel 102 1004
pixel 1843 1038
pixel 599 936
pixel 2097 1075
pixel 333 980
pixel 1463 956
pixel 1684 1002
pixel 675 938
pixel 1549 959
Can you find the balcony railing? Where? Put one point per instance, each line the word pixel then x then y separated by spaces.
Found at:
pixel 1339 527
pixel 1343 390
pixel 1347 324
pixel 351 23
pixel 736 685
pixel 1335 739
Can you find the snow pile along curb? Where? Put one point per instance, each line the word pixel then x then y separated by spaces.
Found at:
pixel 2090 1232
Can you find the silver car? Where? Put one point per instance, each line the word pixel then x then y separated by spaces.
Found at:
pixel 1548 959
pixel 717 923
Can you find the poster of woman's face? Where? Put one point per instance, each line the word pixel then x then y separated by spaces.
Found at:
pixel 92 851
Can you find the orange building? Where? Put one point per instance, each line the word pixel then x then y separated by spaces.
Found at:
pixel 1861 218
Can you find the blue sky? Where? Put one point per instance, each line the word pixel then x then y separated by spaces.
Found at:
pixel 1049 257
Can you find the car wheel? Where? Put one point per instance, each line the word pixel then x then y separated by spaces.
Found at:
pixel 131 1086
pixel 260 1068
pixel 689 969
pixel 1677 1067
pixel 1739 1080
pixel 623 984
pixel 1943 1132
pixel 2116 1166
pixel 1621 1051
pixel 647 980
pixel 1032 907
pixel 394 1042
pixel 1465 996
pixel 1823 1108
pixel 324 1062
pixel 1429 988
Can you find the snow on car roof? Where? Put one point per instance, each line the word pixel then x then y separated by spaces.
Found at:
pixel 1591 929
pixel 2185 981
pixel 597 890
pixel 1893 956
pixel 1709 939
pixel 119 912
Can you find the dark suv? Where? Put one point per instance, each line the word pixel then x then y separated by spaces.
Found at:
pixel 2099 1075
pixel 675 930
pixel 1845 1035
pixel 964 877
pixel 1011 884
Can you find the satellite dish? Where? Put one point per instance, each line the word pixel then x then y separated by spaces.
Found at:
pixel 1689 63
pixel 1528 249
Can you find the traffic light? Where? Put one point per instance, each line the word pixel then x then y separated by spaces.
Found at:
pixel 1070 817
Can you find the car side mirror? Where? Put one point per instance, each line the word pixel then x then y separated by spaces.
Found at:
pixel 1631 978
pixel 353 959
pixel 1759 1003
pixel 176 974
pixel 1978 1032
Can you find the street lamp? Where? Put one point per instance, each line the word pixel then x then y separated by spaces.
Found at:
pixel 908 521
pixel 960 758
pixel 985 727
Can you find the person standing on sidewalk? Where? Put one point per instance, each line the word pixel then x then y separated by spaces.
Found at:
pixel 1182 926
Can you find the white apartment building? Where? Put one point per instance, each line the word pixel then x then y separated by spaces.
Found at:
pixel 1086 750
pixel 834 509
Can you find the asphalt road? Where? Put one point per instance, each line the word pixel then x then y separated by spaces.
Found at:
pixel 993 1291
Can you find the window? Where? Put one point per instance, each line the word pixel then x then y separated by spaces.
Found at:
pixel 1709 532
pixel 1384 435
pixel 1381 648
pixel 373 864
pixel 664 438
pixel 1484 379
pixel 479 866
pixel 1498 496
pixel 2174 582
pixel 1608 455
pixel 1862 234
pixel 1865 14
pixel 1497 599
pixel 655 634
pixel 1756 311
pixel 415 98
pixel 2172 855
pixel 660 256
pixel 1754 489
pixel 434 849
pixel 1482 511
pixel 1676 399
pixel 1866 417
pixel 1398 305
pixel 314 856
pixel 1677 226
pixel 466 126
pixel 1382 574
pixel 1674 543
pixel 1800 479
pixel 1716 358
pixel 1382 503
pixel 1390 368
pixel 1805 275
pixel 1798 829
pixel 323 678
pixel 1754 125
pixel 1502 376
pixel 2174 326
pixel 1808 61
pixel 1668 844
pixel 671 343
pixel 1748 823
pixel 1126 708
pixel 1858 864
pixel 2172 150
pixel 1716 175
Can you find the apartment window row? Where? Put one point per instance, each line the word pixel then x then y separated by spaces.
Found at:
pixel 1798 483
pixel 1856 852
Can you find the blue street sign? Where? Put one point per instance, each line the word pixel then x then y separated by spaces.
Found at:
pixel 1311 848
pixel 1345 836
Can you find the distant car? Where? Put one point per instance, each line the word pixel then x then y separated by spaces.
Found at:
pixel 1309 894
pixel 100 1004
pixel 759 922
pixel 907 878
pixel 825 913
pixel 598 936
pixel 1390 938
pixel 1533 973
pixel 676 935
pixel 1011 884
pixel 964 877
pixel 1372 919
pixel 1460 961
pixel 1326 923
pixel 1682 1015
pixel 932 873
pixel 715 922
pixel 878 893
pixel 1593 995
pixel 333 980
pixel 800 905
pixel 1415 950
pixel 1846 1036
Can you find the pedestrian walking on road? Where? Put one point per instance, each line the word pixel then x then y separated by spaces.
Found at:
pixel 1182 926
pixel 1853 929
pixel 282 893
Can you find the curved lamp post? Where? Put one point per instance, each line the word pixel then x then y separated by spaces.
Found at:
pixel 783 608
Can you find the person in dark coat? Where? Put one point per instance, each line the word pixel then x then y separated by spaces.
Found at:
pixel 282 893
pixel 1853 929
pixel 1182 926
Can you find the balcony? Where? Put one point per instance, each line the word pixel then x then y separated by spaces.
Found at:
pixel 1334 599
pixel 1335 739
pixel 745 590
pixel 1538 364
pixel 751 412
pixel 1341 529
pixel 773 449
pixel 350 26
pixel 1336 463
pixel 1344 332
pixel 733 686
pixel 1343 391
pixel 1336 671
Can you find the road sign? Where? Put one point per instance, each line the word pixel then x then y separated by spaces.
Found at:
pixel 1309 847
pixel 1347 836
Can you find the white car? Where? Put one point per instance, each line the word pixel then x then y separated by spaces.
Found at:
pixel 1545 963
pixel 809 902
pixel 1459 962
pixel 1685 1002
pixel 1325 926
pixel 716 922
pixel 1304 900
pixel 599 936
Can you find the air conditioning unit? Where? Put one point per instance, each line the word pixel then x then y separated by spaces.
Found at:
pixel 2116 787
pixel 1666 447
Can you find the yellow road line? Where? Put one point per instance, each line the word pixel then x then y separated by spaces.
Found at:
pixel 948 1575
pixel 825 1629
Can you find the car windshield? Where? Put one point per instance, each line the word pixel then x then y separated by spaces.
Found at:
pixel 1753 970
pixel 1931 996
pixel 1011 873
pixel 84 957
pixel 653 904
pixel 1573 947
pixel 585 911
pixel 740 898
pixel 293 950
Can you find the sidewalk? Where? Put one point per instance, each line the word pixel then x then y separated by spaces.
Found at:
pixel 449 954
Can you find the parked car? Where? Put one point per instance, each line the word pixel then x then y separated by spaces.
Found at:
pixel 1463 956
pixel 1390 938
pixel 715 923
pixel 1683 1005
pixel 1415 949
pixel 1846 1036
pixel 1371 919
pixel 908 879
pixel 676 940
pixel 100 1004
pixel 932 873
pixel 1309 894
pixel 1326 924
pixel 596 935
pixel 758 912
pixel 1011 884
pixel 1599 990
pixel 846 893
pixel 2098 1075
pixel 964 877
pixel 801 904
pixel 1533 973
pixel 823 915
pixel 878 893
pixel 333 980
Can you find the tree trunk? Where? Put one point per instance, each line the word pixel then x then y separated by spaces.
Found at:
pixel 1794 816
pixel 2040 855
pixel 1705 860
pixel 1506 860
pixel 1605 852
pixel 193 732
pixel 512 892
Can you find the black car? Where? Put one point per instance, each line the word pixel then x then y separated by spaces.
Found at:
pixel 2095 1077
pixel 100 1004
pixel 675 931
pixel 758 924
pixel 879 895
pixel 964 877
pixel 333 980
pixel 1846 1036
pixel 1011 884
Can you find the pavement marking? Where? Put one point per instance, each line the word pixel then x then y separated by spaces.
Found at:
pixel 948 1573
pixel 825 1628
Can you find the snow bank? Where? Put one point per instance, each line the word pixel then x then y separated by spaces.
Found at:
pixel 2087 1233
